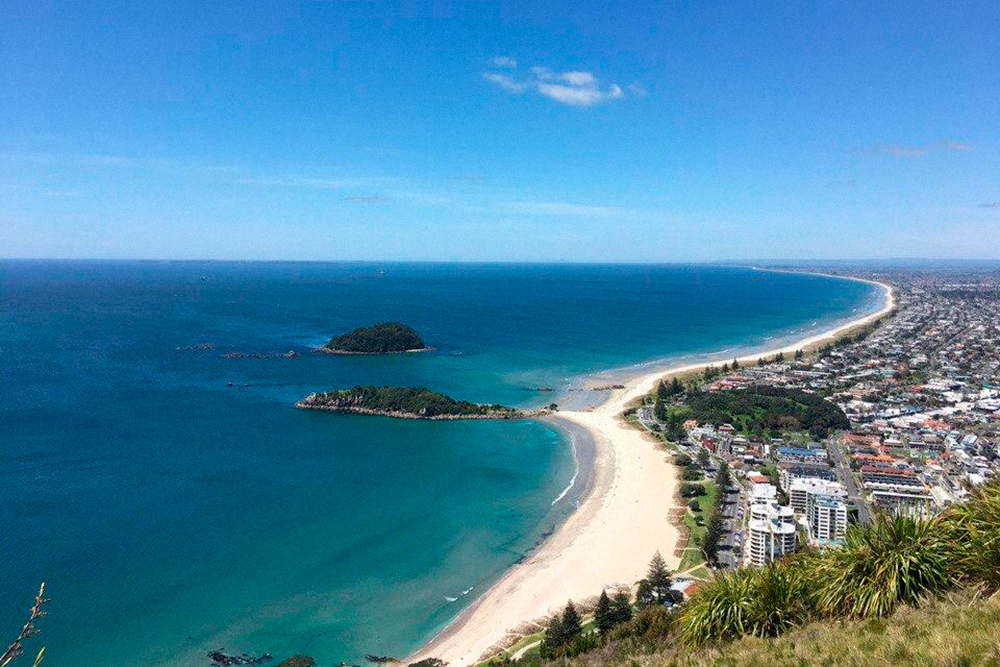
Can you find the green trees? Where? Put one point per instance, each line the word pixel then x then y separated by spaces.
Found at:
pixel 766 407
pixel 661 390
pixel 381 338
pixel 621 608
pixel 676 387
pixel 713 533
pixel 692 490
pixel 659 578
pixel 722 478
pixel 704 458
pixel 563 630
pixel 416 401
pixel 683 460
pixel 655 588
pixel 604 617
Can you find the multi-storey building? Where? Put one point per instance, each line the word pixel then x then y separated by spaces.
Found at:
pixel 771 531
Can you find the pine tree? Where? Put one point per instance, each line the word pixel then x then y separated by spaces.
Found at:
pixel 760 361
pixel 676 387
pixel 658 577
pixel 799 354
pixel 644 596
pixel 661 390
pixel 604 615
pixel 622 608
pixel 725 368
pixel 736 365
pixel 571 626
pixel 780 357
pixel 710 545
pixel 703 458
pixel 660 409
pixel 723 478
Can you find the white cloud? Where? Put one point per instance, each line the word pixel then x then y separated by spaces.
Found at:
pixel 542 73
pixel 573 87
pixel 579 78
pixel 567 209
pixel 503 62
pixel 505 82
pixel 581 96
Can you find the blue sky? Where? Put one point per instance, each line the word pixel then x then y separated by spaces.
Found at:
pixel 478 130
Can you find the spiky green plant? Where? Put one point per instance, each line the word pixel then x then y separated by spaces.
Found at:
pixel 761 602
pixel 972 530
pixel 894 560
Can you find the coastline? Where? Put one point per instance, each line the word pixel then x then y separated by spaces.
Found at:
pixel 621 520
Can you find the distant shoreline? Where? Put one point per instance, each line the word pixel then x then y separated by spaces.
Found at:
pixel 621 519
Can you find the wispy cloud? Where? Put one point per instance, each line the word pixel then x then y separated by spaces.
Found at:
pixel 503 62
pixel 505 81
pixel 315 183
pixel 573 87
pixel 990 204
pixel 958 146
pixel 912 151
pixel 558 208
pixel 373 199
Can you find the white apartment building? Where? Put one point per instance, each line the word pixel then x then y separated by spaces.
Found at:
pixel 804 487
pixel 771 531
pixel 827 516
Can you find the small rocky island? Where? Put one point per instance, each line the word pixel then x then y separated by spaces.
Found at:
pixel 407 403
pixel 382 338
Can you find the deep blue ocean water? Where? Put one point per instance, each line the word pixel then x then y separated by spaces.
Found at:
pixel 176 502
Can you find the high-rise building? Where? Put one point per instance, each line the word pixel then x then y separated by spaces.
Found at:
pixel 827 516
pixel 801 489
pixel 771 531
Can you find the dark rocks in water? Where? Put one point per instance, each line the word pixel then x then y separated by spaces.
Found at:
pixel 291 354
pixel 198 347
pixel 298 661
pixel 222 659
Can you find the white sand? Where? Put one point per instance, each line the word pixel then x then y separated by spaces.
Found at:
pixel 609 539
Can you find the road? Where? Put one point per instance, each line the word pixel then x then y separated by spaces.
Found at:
pixel 847 478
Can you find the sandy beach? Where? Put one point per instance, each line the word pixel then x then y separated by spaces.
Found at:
pixel 618 526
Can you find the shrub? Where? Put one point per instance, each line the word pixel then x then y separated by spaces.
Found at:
pixel 695 506
pixel 893 560
pixel 692 490
pixel 761 602
pixel 972 530
pixel 691 474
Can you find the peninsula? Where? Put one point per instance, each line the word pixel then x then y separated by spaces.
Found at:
pixel 381 338
pixel 406 403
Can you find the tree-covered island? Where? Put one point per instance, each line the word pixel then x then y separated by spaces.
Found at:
pixel 382 338
pixel 407 403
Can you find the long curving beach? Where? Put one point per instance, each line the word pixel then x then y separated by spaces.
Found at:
pixel 617 527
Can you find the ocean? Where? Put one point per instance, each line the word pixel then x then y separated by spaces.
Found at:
pixel 154 471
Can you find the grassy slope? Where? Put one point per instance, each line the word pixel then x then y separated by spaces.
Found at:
pixel 693 555
pixel 955 632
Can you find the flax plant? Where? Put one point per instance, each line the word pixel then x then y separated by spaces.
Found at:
pixel 894 560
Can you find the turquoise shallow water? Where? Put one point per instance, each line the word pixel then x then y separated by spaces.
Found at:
pixel 173 513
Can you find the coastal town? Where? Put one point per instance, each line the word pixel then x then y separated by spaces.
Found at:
pixel 920 390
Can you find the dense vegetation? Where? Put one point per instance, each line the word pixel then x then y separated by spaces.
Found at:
pixel 381 338
pixel 402 401
pixel 761 408
pixel 885 597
